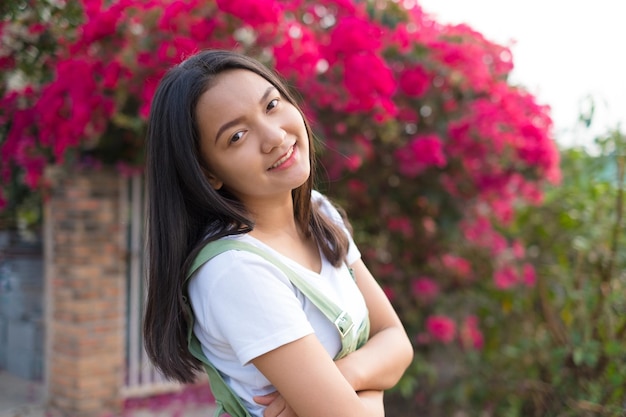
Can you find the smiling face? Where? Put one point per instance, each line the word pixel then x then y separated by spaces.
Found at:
pixel 253 141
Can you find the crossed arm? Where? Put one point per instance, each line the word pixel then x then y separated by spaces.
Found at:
pixel 309 383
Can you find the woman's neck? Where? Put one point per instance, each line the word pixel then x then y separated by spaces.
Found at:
pixel 273 219
pixel 276 227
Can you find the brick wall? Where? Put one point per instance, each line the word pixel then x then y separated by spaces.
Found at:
pixel 85 293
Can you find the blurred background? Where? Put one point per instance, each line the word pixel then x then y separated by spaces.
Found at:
pixel 565 53
pixel 478 148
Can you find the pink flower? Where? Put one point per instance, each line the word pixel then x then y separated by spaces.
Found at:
pixel 353 35
pixel 299 54
pixel 201 31
pixel 441 328
pixel 357 186
pixel 415 81
pixel 456 264
pixel 367 88
pixel 253 12
pixel 503 209
pixel 111 74
pixel 505 278
pixel 169 19
pixel 425 289
pixel 402 225
pixel 100 22
pixel 353 162
pixel 3 201
pixel 36 28
pixel 470 335
pixel 34 171
pixel 518 249
pixel 419 154
pixel 408 114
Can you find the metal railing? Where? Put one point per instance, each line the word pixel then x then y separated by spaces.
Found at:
pixel 141 377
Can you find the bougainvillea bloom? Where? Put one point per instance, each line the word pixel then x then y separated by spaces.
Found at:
pixel 402 225
pixel 415 81
pixel 441 328
pixel 459 266
pixel 253 12
pixel 470 334
pixel 505 278
pixel 424 289
pixel 420 153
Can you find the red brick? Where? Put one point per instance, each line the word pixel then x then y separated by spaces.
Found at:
pixel 87 361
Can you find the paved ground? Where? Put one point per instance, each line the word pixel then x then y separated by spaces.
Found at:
pixel 19 397
pixel 22 398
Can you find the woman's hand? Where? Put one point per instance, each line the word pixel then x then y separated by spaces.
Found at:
pixel 275 405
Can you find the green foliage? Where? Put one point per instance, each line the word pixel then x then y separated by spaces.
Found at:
pixel 561 351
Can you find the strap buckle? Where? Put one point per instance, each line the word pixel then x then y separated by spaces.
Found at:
pixel 344 324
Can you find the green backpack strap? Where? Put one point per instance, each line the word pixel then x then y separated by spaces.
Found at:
pixel 226 399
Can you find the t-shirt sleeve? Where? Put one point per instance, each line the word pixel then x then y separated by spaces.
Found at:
pixel 328 209
pixel 242 300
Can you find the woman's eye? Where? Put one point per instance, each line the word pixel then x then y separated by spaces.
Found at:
pixel 272 104
pixel 236 137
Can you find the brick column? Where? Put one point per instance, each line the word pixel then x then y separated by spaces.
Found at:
pixel 85 293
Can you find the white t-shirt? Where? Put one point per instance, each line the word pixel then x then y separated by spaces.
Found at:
pixel 245 306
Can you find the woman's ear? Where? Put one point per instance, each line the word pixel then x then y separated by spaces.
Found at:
pixel 215 182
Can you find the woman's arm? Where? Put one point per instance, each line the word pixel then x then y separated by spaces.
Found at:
pixel 310 382
pixel 362 375
pixel 380 363
pixel 276 406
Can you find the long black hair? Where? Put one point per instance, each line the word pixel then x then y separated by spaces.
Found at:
pixel 185 212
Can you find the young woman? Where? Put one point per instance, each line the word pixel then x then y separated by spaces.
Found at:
pixel 230 157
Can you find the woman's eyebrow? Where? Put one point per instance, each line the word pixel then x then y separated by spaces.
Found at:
pixel 266 94
pixel 226 126
pixel 233 122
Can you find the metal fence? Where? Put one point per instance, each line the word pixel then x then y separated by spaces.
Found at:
pixel 141 377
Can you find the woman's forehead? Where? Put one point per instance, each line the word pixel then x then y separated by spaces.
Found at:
pixel 232 95
pixel 240 81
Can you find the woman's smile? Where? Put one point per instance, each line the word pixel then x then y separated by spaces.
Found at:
pixel 286 160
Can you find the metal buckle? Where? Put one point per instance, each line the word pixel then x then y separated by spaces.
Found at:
pixel 344 324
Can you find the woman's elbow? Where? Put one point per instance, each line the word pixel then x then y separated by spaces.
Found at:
pixel 405 354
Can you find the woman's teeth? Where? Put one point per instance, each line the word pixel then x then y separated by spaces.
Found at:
pixel 283 159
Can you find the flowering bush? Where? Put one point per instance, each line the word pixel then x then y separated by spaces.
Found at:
pixel 565 353
pixel 425 142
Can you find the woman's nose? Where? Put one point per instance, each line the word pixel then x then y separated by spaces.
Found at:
pixel 272 136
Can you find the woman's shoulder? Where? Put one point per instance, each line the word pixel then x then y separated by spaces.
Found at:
pixel 327 206
pixel 318 198
pixel 233 257
pixel 322 201
pixel 233 269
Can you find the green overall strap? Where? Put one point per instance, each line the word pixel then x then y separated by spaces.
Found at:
pixel 340 318
pixel 226 399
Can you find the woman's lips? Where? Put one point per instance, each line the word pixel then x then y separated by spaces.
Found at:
pixel 284 158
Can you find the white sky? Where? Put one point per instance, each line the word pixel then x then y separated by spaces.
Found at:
pixel 563 51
